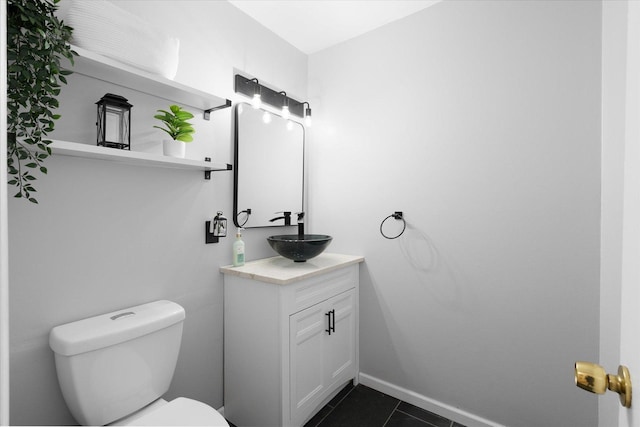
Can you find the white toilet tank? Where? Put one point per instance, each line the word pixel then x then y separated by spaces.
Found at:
pixel 110 366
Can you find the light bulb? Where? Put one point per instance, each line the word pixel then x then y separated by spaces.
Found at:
pixel 266 117
pixel 285 112
pixel 307 116
pixel 256 102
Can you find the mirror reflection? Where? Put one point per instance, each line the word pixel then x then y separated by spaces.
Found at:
pixel 269 168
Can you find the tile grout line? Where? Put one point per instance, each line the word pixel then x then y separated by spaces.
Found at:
pixel 334 407
pixel 391 414
pixel 323 418
pixel 425 421
pixel 344 397
pixel 395 409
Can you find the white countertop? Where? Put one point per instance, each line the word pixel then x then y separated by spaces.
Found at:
pixel 283 271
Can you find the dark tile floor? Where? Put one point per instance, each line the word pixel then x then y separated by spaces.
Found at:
pixel 361 406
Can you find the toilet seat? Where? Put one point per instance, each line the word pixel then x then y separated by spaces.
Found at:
pixel 179 412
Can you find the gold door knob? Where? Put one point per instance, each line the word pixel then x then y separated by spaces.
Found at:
pixel 593 378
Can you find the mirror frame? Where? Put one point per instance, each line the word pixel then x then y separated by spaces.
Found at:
pixel 237 170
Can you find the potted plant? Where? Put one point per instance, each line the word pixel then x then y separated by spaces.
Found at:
pixel 37 41
pixel 176 125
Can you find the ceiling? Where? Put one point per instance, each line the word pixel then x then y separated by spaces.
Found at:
pixel 314 25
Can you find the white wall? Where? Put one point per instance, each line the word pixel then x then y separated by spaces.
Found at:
pixel 107 236
pixel 481 121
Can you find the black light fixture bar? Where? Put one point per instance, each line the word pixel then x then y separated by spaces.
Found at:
pixel 274 98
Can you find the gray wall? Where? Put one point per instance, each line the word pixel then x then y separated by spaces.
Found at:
pixel 481 121
pixel 107 236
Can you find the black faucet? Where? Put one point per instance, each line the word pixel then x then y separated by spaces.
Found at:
pixel 286 217
pixel 300 225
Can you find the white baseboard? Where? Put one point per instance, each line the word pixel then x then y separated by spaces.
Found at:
pixel 431 405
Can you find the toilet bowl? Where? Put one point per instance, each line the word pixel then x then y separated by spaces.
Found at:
pixel 114 368
pixel 178 412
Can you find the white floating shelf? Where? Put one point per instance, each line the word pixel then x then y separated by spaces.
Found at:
pixel 135 158
pixel 100 67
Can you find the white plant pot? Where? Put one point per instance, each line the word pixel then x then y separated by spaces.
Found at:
pixel 173 148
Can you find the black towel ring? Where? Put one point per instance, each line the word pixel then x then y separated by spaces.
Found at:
pixel 248 212
pixel 398 216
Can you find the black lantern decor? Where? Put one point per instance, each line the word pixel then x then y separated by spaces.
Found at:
pixel 114 122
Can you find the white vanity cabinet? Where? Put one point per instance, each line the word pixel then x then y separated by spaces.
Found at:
pixel 290 337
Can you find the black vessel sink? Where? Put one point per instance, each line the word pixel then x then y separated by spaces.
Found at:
pixel 299 248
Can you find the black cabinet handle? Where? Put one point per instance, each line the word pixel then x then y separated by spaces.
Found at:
pixel 328 314
pixel 331 321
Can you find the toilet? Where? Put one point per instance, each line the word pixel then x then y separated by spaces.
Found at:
pixel 114 368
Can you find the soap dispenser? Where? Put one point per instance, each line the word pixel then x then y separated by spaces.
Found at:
pixel 238 249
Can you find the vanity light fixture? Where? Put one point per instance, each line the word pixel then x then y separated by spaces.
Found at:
pixel 278 99
pixel 256 101
pixel 285 106
pixel 307 114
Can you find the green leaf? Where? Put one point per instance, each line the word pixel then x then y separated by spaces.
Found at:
pixel 184 138
pixel 184 115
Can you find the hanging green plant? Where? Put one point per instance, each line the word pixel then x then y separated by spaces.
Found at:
pixel 37 41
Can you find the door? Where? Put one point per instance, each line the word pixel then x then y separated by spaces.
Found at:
pixel 340 345
pixel 306 360
pixel 322 351
pixel 619 341
pixel 630 294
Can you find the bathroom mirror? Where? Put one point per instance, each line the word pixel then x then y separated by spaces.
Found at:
pixel 269 168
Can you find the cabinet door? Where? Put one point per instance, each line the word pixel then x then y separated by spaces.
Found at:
pixel 339 351
pixel 306 363
pixel 319 359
